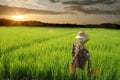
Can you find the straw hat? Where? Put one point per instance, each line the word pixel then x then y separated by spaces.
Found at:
pixel 82 36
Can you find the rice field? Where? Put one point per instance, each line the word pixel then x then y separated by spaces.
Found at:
pixel 45 53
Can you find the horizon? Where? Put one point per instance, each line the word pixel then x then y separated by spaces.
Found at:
pixel 62 11
pixel 19 21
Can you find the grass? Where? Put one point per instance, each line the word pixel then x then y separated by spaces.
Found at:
pixel 45 53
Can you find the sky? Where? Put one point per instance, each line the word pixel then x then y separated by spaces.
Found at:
pixel 63 11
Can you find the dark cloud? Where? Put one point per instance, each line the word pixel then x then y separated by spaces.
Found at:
pixel 79 6
pixel 8 10
pixel 73 6
pixel 54 1
pixel 93 10
pixel 88 2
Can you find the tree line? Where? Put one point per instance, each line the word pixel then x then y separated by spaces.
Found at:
pixel 6 22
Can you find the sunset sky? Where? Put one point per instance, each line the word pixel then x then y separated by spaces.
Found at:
pixel 63 11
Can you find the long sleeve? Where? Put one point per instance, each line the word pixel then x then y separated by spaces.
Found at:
pixel 75 59
pixel 89 64
pixel 75 52
pixel 75 49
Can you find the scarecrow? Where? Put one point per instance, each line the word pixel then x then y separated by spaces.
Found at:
pixel 80 54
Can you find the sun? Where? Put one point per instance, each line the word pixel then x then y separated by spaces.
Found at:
pixel 18 17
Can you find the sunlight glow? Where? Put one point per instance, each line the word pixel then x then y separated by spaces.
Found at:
pixel 18 17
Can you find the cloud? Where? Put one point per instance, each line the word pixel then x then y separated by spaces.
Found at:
pixel 93 10
pixel 23 0
pixel 70 6
pixel 88 2
pixel 92 6
pixel 9 10
pixel 54 1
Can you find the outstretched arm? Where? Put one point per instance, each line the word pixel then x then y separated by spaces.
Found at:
pixel 75 49
pixel 74 62
pixel 89 66
pixel 75 52
pixel 89 63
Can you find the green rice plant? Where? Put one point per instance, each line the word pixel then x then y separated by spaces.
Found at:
pixel 1 71
pixel 45 53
